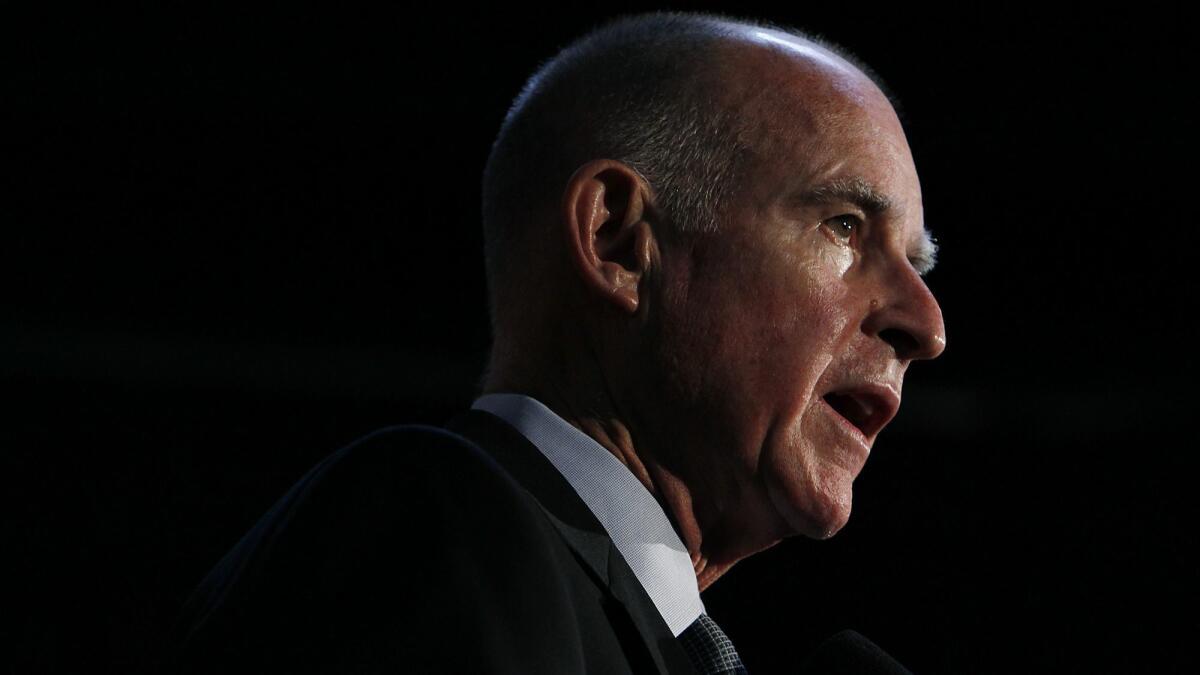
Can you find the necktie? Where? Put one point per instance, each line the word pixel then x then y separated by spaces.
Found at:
pixel 709 649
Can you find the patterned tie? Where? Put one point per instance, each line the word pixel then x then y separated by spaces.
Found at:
pixel 709 649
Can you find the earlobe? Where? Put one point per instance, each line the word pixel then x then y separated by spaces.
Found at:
pixel 608 237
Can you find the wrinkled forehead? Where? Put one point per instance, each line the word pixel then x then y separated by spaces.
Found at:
pixel 773 74
pixel 811 118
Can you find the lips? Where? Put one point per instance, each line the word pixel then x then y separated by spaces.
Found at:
pixel 868 407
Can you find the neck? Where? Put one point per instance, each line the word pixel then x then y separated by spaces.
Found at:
pixel 588 403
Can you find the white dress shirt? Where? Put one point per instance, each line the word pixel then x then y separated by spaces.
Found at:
pixel 629 513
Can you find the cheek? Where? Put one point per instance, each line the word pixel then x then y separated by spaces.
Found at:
pixel 811 321
pixel 808 481
pixel 834 260
pixel 766 335
pixel 750 337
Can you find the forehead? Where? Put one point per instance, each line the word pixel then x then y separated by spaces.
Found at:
pixel 767 58
pixel 806 53
pixel 811 119
pixel 794 90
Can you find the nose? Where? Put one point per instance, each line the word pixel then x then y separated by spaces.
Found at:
pixel 905 315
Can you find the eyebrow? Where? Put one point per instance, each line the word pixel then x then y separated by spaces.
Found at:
pixel 922 254
pixel 924 257
pixel 853 190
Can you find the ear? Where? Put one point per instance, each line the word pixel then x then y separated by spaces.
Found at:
pixel 608 236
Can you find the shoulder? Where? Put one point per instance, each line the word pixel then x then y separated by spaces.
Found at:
pixel 424 492
pixel 411 532
pixel 401 454
pixel 398 491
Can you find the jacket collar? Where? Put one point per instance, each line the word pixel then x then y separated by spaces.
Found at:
pixel 580 529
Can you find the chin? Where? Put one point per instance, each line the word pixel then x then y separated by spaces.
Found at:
pixel 815 509
pixel 828 519
pixel 831 525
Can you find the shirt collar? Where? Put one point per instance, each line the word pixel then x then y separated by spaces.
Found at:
pixel 629 513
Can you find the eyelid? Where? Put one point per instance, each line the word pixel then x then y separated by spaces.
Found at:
pixel 859 221
pixel 845 210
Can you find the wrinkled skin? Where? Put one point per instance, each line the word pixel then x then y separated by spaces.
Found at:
pixel 789 299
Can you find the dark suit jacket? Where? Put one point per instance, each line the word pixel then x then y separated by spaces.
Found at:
pixel 420 549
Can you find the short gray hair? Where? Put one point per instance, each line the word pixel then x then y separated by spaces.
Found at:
pixel 631 91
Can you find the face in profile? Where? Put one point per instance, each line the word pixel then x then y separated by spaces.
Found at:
pixel 787 334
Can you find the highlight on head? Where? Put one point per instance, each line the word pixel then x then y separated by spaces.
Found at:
pixel 642 90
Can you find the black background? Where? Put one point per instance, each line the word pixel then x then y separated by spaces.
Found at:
pixel 235 241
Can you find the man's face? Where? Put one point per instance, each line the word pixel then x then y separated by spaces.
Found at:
pixel 787 334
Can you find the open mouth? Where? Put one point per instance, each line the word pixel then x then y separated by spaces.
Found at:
pixel 854 410
pixel 867 407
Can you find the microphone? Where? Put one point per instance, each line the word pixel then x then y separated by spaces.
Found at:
pixel 849 653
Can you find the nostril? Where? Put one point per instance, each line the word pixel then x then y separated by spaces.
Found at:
pixel 902 341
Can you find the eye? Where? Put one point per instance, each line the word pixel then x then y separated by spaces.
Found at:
pixel 843 226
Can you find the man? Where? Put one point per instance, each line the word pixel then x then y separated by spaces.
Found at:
pixel 704 246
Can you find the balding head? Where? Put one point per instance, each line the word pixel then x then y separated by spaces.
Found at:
pixel 678 98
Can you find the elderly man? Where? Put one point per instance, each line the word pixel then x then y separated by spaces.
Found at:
pixel 704 246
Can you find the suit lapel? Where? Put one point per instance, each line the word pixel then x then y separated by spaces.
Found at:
pixel 579 528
